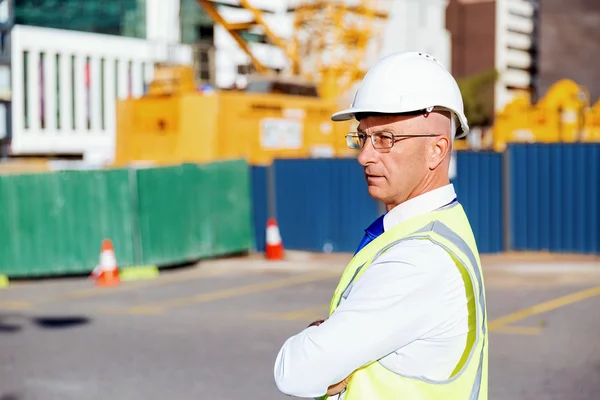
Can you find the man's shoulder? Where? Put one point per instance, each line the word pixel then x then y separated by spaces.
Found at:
pixel 409 266
pixel 417 252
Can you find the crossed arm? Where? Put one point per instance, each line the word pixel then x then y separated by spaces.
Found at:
pixel 392 304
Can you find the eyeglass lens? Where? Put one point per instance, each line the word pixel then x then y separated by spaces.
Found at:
pixel 380 140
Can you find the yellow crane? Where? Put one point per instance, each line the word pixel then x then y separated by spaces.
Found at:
pixel 333 40
pixel 330 43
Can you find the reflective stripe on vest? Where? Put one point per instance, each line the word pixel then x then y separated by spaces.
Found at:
pixel 445 232
pixel 435 226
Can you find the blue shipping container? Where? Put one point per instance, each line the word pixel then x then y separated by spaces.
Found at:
pixel 478 184
pixel 322 204
pixel 555 197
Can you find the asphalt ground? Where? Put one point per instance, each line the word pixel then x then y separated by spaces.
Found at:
pixel 213 330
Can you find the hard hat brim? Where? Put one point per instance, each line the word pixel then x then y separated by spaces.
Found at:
pixel 344 115
pixel 350 113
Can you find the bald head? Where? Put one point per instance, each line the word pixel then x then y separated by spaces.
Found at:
pixel 440 122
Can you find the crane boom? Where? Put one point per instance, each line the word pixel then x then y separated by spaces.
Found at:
pixel 234 30
pixel 329 42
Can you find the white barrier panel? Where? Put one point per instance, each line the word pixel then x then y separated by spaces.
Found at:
pixel 65 85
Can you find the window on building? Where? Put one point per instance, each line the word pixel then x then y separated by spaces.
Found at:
pixel 102 94
pixel 112 17
pixel 196 27
pixel 72 94
pixel 41 86
pixel 4 48
pixel 58 86
pixel 204 62
pixel 25 92
pixel 198 30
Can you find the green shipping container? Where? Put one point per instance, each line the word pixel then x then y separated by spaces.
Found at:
pixel 194 211
pixel 53 224
pixel 230 208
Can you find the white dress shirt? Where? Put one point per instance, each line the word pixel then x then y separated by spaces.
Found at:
pixel 408 310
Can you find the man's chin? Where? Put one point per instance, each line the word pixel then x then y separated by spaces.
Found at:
pixel 376 192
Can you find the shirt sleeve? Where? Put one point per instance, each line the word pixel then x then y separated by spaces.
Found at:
pixel 394 302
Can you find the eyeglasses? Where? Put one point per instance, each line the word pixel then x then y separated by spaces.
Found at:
pixel 381 140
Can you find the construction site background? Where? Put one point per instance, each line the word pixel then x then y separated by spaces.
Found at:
pixel 170 118
pixel 175 201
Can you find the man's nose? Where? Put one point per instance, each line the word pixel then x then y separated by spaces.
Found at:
pixel 368 154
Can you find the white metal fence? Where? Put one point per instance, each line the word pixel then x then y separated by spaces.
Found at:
pixel 65 85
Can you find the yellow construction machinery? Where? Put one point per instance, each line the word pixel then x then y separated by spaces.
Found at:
pixel 278 114
pixel 562 115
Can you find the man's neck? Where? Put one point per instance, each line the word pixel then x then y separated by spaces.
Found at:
pixel 425 187
pixel 425 202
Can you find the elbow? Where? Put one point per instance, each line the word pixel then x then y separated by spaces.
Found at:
pixel 287 383
pixel 292 381
pixel 281 380
pixel 294 386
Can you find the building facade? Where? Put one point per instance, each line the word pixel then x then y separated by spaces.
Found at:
pixel 499 35
pixel 417 25
pixel 570 44
pixel 71 60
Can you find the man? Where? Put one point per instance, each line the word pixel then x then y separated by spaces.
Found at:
pixel 408 317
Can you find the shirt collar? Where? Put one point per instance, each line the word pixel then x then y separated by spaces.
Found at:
pixel 421 204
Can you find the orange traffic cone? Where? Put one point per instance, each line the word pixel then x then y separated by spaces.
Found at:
pixel 274 245
pixel 106 272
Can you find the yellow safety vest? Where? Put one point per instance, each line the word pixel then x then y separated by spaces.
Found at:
pixel 449 228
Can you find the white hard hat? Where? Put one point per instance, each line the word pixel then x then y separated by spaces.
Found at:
pixel 407 82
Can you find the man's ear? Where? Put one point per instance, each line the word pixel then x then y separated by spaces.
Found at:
pixel 440 149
